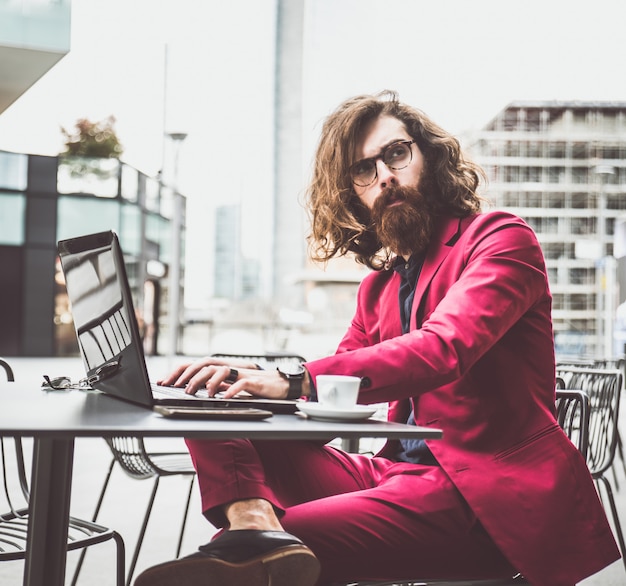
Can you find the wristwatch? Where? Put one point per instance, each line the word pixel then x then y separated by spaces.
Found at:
pixel 295 375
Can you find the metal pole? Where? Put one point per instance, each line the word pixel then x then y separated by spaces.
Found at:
pixel 610 270
pixel 606 270
pixel 176 232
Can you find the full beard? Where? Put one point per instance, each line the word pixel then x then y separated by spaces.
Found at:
pixel 402 219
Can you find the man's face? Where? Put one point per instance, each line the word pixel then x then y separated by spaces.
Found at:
pixel 396 199
pixel 377 135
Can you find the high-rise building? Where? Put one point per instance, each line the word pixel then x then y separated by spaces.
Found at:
pixel 288 245
pixel 34 36
pixel 562 167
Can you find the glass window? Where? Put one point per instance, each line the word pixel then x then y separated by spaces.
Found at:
pixel 583 226
pixel 616 202
pixel 553 250
pixel 580 150
pixel 558 301
pixel 580 302
pixel 550 225
pixel 610 152
pixel 95 176
pixel 130 231
pixel 512 148
pixel 153 195
pixel 553 275
pixel 13 171
pixel 12 213
pixel 581 276
pixel 533 120
pixel 535 224
pixel 158 231
pixel 83 215
pixel 511 174
pixel 492 173
pixel 556 174
pixel 510 199
pixel 130 183
pixel 534 199
pixel 534 149
pixel 556 150
pixel 510 120
pixel 580 200
pixel 531 174
pixel 556 200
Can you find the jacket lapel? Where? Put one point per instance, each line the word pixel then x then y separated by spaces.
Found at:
pixel 446 236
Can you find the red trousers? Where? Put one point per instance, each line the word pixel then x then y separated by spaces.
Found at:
pixel 363 517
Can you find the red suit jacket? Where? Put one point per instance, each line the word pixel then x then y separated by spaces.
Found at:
pixel 478 362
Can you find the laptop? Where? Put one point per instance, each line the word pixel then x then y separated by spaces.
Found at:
pixel 108 334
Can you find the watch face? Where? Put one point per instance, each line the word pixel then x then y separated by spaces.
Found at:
pixel 292 370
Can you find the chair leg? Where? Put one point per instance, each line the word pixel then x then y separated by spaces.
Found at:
pixel 620 451
pixel 616 522
pixel 182 528
pixel 83 552
pixel 350 445
pixel 120 568
pixel 142 532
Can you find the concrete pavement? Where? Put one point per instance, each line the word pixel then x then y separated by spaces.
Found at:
pixel 126 498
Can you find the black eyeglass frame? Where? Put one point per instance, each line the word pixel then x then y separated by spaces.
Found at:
pixel 381 156
pixel 64 383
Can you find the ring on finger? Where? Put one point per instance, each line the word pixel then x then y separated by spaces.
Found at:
pixel 232 376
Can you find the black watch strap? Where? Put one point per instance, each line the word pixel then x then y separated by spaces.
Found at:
pixel 295 380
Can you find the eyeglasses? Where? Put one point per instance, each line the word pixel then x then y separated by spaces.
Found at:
pixel 396 156
pixel 63 383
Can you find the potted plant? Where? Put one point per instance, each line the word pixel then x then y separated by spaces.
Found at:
pixel 92 148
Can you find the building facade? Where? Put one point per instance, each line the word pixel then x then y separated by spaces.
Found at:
pixel 562 167
pixel 34 36
pixel 46 199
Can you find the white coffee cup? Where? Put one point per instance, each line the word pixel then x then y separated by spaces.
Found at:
pixel 337 391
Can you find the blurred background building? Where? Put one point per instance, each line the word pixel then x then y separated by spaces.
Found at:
pixel 42 201
pixel 562 167
pixel 33 38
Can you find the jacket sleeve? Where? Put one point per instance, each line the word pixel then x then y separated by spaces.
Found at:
pixel 491 278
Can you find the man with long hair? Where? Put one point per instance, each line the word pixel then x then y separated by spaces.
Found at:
pixel 453 330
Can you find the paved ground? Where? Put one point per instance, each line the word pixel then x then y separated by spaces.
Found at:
pixel 126 499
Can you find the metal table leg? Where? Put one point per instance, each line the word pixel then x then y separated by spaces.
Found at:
pixel 48 520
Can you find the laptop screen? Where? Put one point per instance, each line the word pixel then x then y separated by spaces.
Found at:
pixel 106 327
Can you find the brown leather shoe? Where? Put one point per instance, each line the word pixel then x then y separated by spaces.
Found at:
pixel 240 558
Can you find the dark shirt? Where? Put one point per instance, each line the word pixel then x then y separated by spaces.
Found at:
pixel 411 450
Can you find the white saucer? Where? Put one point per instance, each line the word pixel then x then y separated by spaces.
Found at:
pixel 322 413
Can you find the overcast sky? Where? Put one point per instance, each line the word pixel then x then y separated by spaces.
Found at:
pixel 461 61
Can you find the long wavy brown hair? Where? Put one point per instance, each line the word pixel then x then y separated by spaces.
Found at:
pixel 339 220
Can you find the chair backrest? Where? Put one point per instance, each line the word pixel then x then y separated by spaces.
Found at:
pixel 603 387
pixel 272 359
pixel 7 369
pixel 572 414
pixel 131 454
pixel 14 477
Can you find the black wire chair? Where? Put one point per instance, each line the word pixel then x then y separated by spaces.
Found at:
pixel 604 364
pixel 131 455
pixel 14 522
pixel 603 386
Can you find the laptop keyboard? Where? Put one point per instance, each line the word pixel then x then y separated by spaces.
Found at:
pixel 177 393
